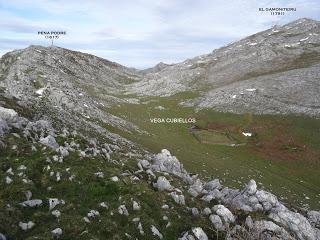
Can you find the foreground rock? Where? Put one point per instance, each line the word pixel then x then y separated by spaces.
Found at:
pixel 285 223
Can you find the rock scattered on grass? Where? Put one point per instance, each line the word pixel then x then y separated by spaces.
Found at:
pixel 26 226
pixel 56 233
pixel 156 232
pixel 123 210
pixel 136 206
pixel 163 184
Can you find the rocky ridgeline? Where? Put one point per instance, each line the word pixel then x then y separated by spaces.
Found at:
pixel 279 220
pixel 71 86
pixel 273 71
pixel 238 214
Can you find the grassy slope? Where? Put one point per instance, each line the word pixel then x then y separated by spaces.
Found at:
pixel 289 175
pixel 84 193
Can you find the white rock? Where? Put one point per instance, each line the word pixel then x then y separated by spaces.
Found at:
pixel 140 228
pixel 149 172
pixel 267 199
pixel 104 205
pixel 50 142
pixel 56 233
pixel 99 174
pixel 58 176
pixel 56 213
pixel 7 114
pixel 40 91
pixel 145 164
pixel 32 203
pixel 217 222
pixel 156 232
pixel 179 199
pixel 247 134
pixel 93 214
pixel 249 222
pixel 26 226
pixel 22 167
pixel 195 211
pixel 163 184
pixel 196 188
pixel 136 206
pixel 206 211
pixel 123 210
pixel 225 213
pixel 251 187
pixel 209 186
pixel 199 233
pixel 53 202
pixel 251 89
pixel 8 180
pixel 115 179
pixel 9 171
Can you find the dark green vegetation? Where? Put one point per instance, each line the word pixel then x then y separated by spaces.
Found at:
pixel 283 155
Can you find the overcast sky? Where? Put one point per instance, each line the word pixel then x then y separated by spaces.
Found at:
pixel 141 33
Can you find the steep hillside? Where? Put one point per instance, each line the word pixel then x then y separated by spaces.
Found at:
pixel 66 85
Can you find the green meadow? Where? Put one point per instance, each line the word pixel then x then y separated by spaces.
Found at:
pixel 282 155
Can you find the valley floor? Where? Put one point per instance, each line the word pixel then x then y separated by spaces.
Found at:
pixel 282 154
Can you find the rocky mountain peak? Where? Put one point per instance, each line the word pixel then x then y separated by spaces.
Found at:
pixel 157 68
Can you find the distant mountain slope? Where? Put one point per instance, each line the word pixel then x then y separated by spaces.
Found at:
pixel 157 68
pixel 281 63
pixel 274 71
